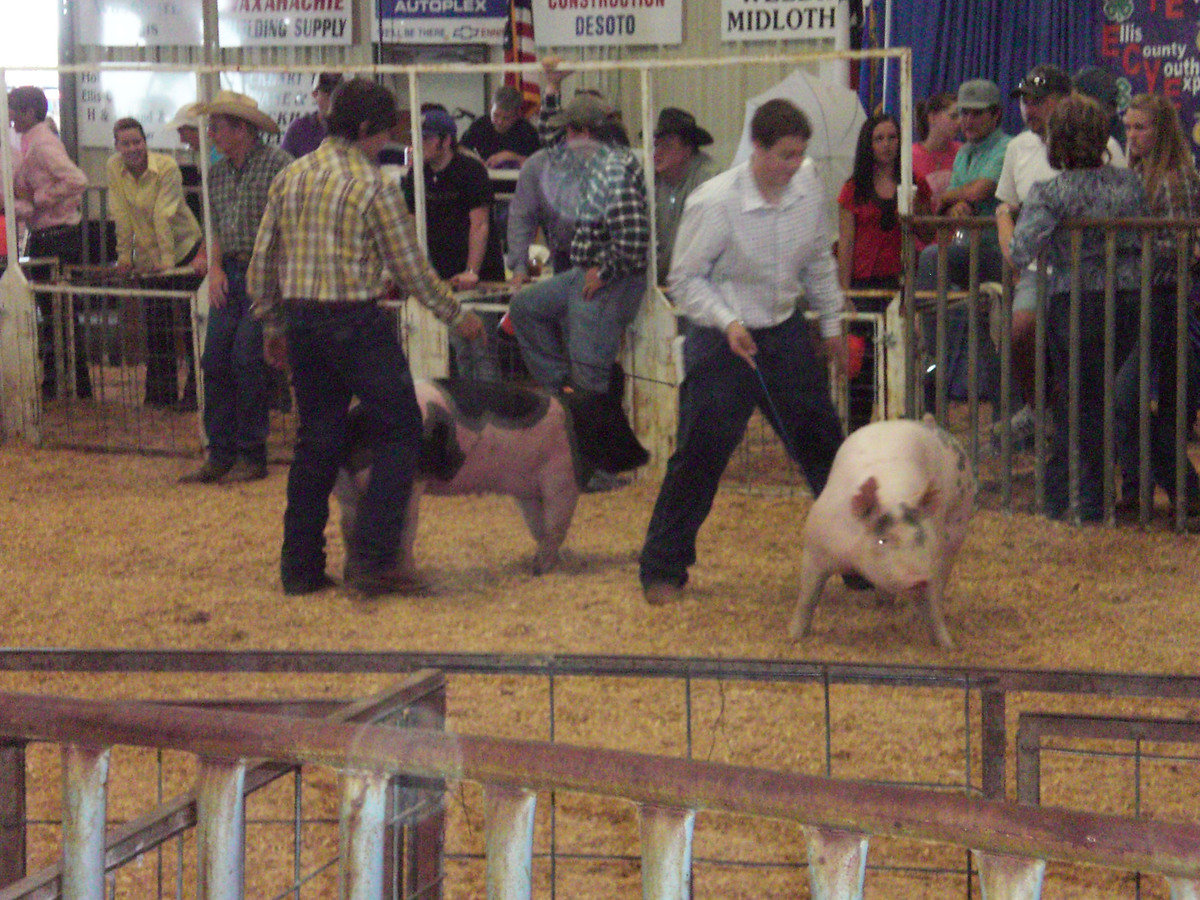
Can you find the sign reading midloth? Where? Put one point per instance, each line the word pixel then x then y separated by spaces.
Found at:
pixel 605 23
pixel 275 23
pixel 773 20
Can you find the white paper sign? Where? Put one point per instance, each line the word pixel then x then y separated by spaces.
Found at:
pixel 606 23
pixel 753 20
pixel 140 23
pixel 284 96
pixel 150 97
pixel 281 23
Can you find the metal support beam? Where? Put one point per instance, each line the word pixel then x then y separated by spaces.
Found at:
pixel 667 852
pixel 508 841
pixel 837 863
pixel 221 830
pixel 12 812
pixel 1009 877
pixel 364 796
pixel 85 785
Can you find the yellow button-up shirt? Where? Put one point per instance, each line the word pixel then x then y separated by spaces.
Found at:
pixel 155 228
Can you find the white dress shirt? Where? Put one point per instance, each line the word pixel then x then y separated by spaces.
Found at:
pixel 739 258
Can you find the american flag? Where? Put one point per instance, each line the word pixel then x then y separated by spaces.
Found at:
pixel 518 48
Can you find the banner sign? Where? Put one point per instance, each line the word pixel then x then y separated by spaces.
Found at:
pixel 150 97
pixel 284 23
pixel 607 23
pixel 441 21
pixel 1152 47
pixel 787 20
pixel 139 23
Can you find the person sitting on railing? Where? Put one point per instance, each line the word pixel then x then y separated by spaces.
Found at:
pixel 972 193
pixel 1160 154
pixel 1077 132
pixel 155 231
pixel 610 131
pixel 936 146
pixel 869 239
pixel 48 188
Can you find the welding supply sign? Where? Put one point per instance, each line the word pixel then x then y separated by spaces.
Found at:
pixel 282 23
pixel 607 23
pixel 441 21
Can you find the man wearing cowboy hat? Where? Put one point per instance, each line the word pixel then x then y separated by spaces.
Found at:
pixel 680 166
pixel 235 374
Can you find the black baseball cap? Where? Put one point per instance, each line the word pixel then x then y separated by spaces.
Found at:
pixel 1041 82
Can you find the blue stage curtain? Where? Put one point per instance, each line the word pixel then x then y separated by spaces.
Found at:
pixel 956 40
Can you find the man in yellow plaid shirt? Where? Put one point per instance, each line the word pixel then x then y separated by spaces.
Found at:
pixel 335 235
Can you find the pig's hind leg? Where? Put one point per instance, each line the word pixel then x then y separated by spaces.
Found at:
pixel 814 572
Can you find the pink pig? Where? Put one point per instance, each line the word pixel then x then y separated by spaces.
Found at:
pixel 895 510
pixel 484 439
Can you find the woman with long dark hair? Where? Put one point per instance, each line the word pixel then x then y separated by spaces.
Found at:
pixel 870 239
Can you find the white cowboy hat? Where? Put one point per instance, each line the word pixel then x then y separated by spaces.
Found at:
pixel 188 114
pixel 230 103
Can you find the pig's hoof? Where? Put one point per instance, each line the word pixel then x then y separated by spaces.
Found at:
pixel 660 593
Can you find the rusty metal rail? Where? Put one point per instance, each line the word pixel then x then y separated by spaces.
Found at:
pixel 1011 842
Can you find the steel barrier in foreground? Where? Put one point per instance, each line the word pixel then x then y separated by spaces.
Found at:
pixel 1010 842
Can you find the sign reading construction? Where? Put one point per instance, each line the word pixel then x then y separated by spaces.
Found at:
pixel 441 21
pixel 607 23
pixel 773 20
pixel 279 23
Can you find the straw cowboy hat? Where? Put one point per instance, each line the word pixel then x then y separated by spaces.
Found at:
pixel 188 114
pixel 230 103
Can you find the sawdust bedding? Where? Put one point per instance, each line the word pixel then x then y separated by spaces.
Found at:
pixel 108 551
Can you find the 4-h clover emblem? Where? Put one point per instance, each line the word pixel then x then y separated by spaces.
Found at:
pixel 1118 10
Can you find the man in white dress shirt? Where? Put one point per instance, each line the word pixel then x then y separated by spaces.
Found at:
pixel 752 241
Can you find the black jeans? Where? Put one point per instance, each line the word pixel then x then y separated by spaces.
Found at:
pixel 66 243
pixel 337 352
pixel 718 395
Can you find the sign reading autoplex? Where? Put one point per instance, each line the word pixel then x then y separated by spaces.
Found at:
pixel 248 23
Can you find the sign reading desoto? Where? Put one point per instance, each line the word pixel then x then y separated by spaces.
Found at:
pixel 274 23
pixel 441 21
pixel 591 23
pixel 773 20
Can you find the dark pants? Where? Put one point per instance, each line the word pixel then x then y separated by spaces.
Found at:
pixel 168 320
pixel 235 377
pixel 718 395
pixel 1162 420
pixel 1091 397
pixel 336 353
pixel 66 243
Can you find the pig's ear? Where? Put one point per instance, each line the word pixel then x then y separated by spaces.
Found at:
pixel 867 499
pixel 929 499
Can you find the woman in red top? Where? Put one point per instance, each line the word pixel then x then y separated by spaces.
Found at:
pixel 937 128
pixel 869 239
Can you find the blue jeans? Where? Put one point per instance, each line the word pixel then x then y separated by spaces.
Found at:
pixel 1162 421
pixel 566 339
pixel 958 270
pixel 235 377
pixel 338 352
pixel 718 394
pixel 1091 397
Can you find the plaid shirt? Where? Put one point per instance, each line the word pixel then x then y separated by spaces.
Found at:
pixel 613 230
pixel 238 196
pixel 337 229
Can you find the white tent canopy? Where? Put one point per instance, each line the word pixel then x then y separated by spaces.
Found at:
pixel 836 116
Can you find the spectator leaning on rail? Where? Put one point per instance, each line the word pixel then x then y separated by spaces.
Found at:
pixel 752 240
pixel 1077 132
pixel 680 166
pixel 1160 154
pixel 463 248
pixel 155 231
pixel 304 135
pixel 504 139
pixel 334 236
pixel 972 193
pixel 48 188
pixel 235 375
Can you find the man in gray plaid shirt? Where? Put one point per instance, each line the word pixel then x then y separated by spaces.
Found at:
pixel 569 327
pixel 235 375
